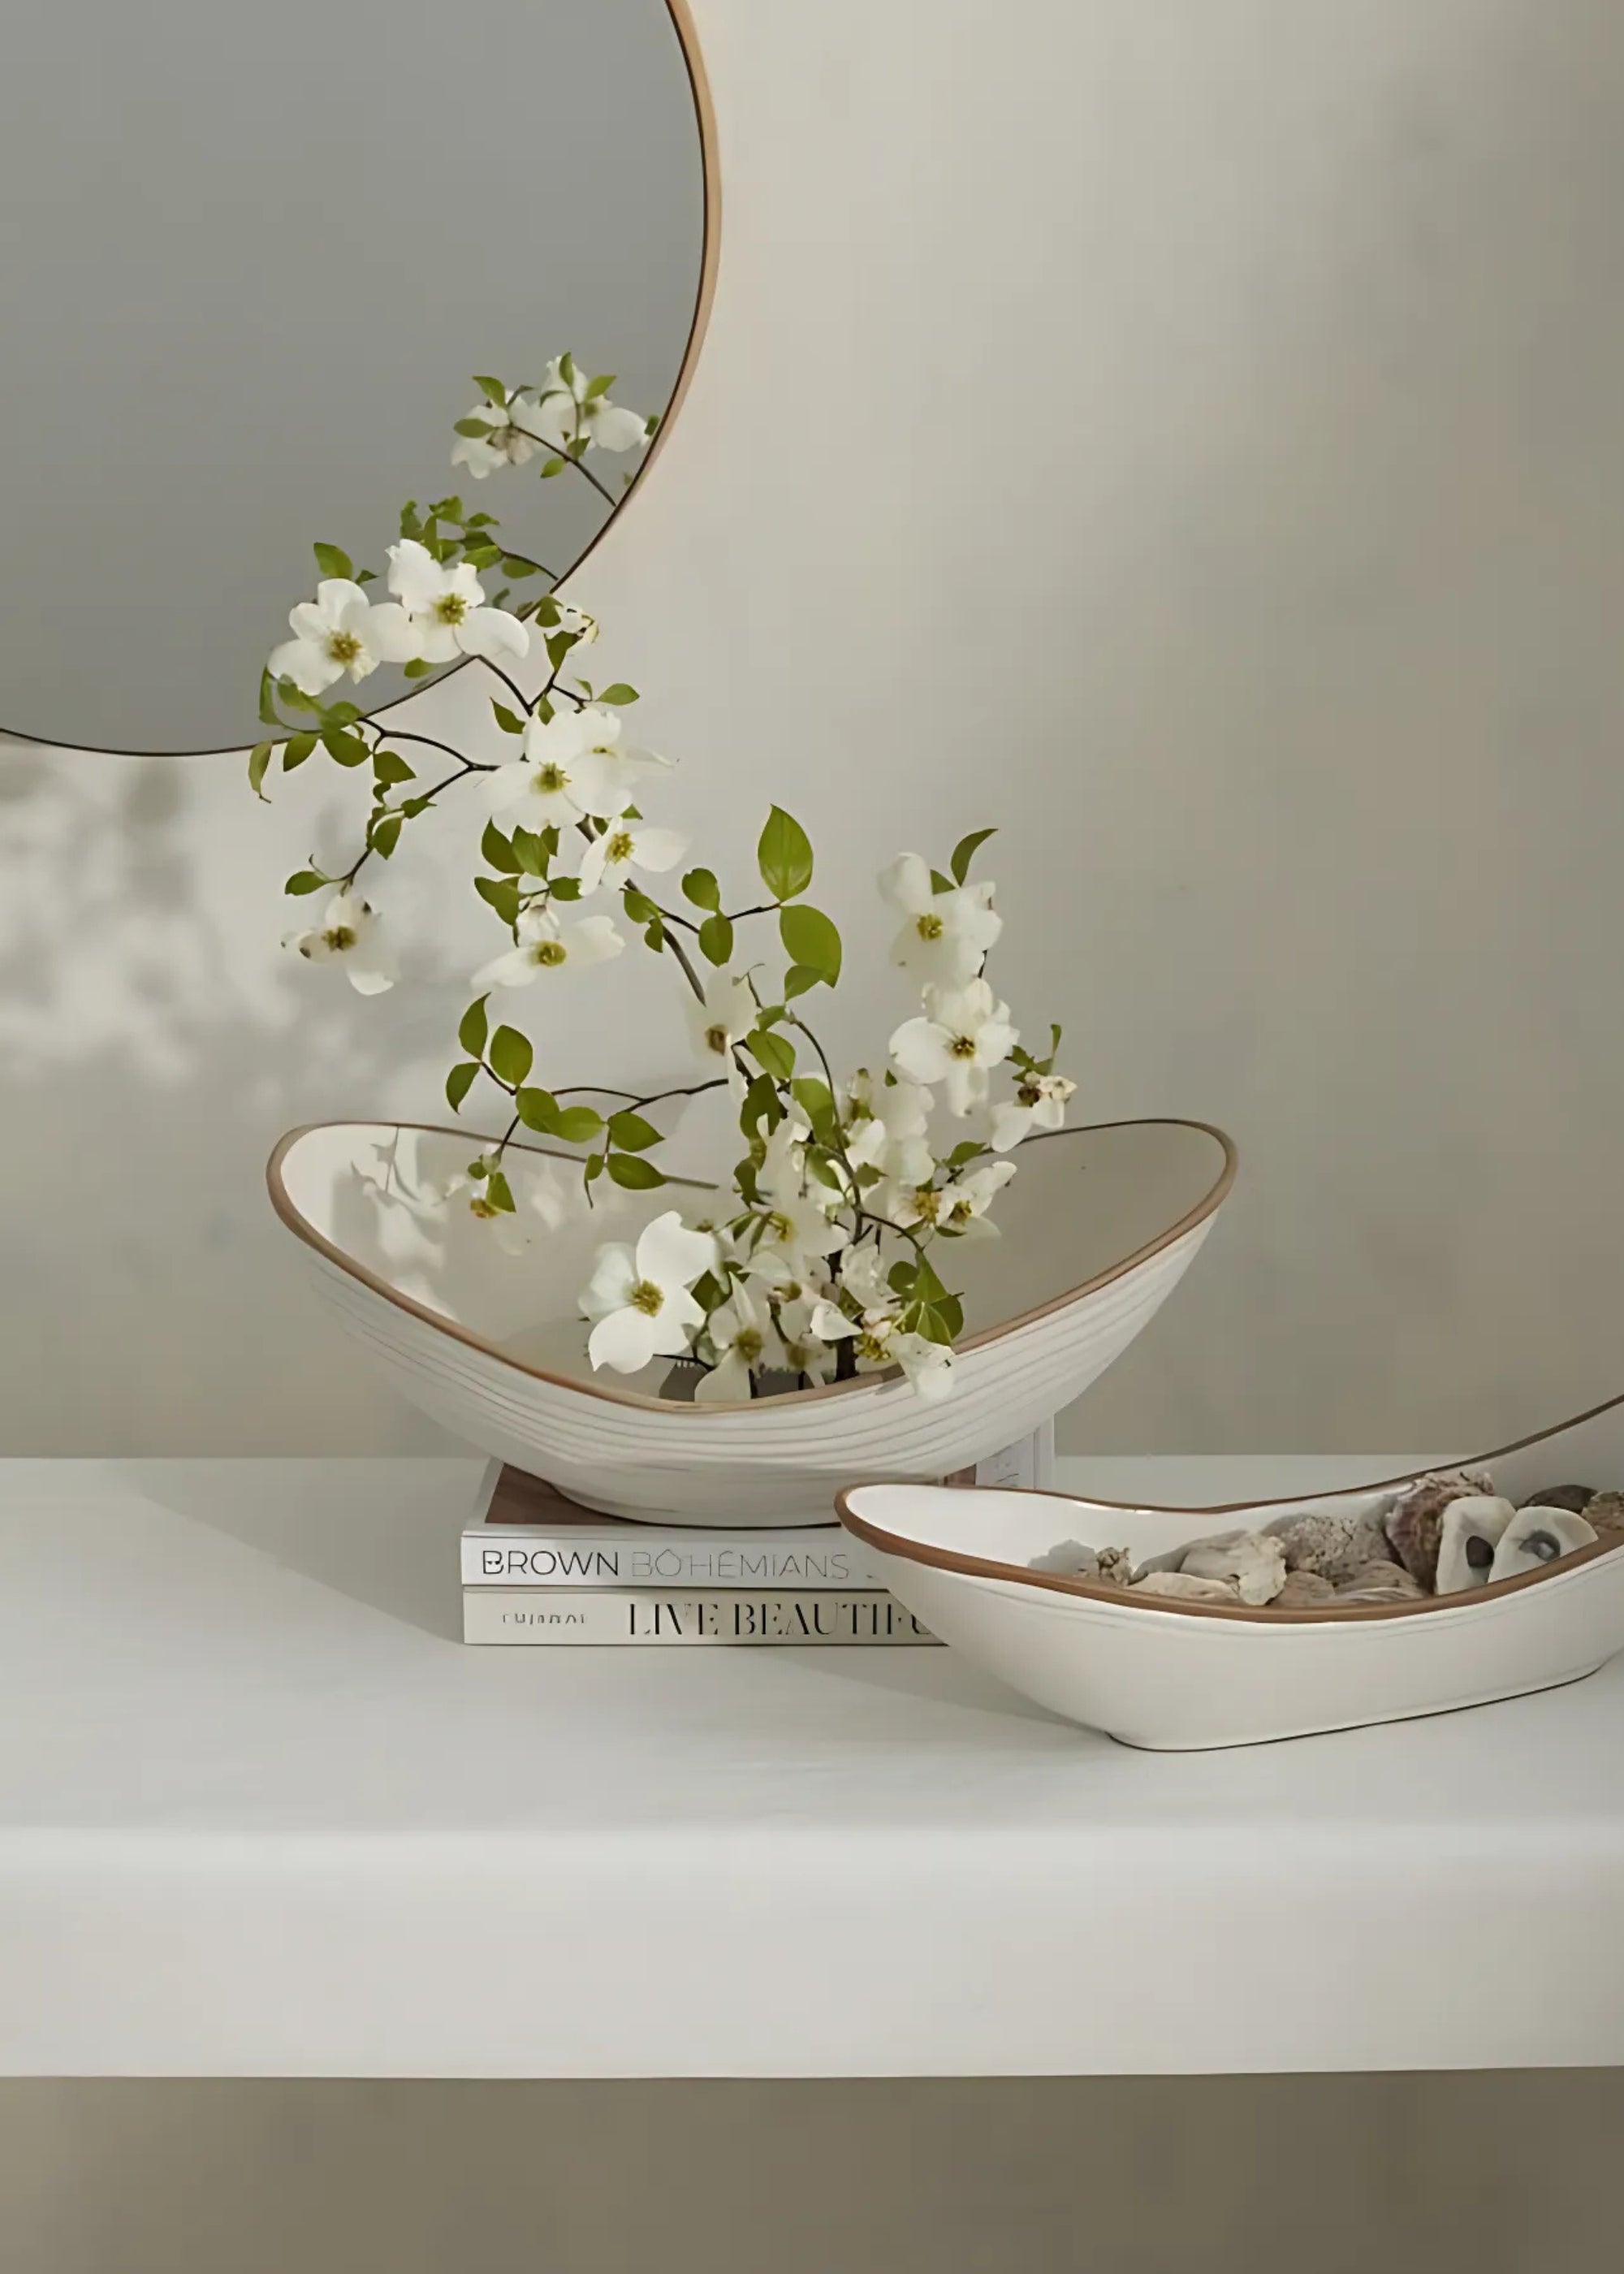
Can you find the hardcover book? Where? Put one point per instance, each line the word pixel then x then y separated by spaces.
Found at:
pixel 730 1618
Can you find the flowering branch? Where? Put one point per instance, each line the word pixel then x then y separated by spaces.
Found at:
pixel 823 1254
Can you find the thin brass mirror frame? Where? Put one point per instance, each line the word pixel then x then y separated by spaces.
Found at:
pixel 711 187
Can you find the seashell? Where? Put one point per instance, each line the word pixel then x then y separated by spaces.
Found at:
pixel 1187 1584
pixel 1605 1510
pixel 1251 1563
pixel 1414 1522
pixel 1537 1536
pixel 1070 1558
pixel 1172 1559
pixel 1576 1497
pixel 1303 1588
pixel 1334 1547
pixel 1472 1528
pixel 1384 1575
pixel 1115 1567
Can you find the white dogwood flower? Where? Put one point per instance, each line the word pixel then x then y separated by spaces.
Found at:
pixel 944 939
pixel 340 631
pixel 881 1342
pixel 348 933
pixel 504 443
pixel 541 1203
pixel 963 1201
pixel 804 1349
pixel 888 1129
pixel 965 1033
pixel 639 1298
pixel 545 944
pixel 1039 1102
pixel 604 768
pixel 445 607
pixel 743 1337
pixel 718 1022
pixel 566 412
pixel 624 845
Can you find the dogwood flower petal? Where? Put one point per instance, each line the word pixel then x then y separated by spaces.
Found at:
pixel 672 1255
pixel 544 945
pixel 348 933
pixel 624 845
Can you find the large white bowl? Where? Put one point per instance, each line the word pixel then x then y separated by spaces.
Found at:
pixel 1179 1676
pixel 1098 1227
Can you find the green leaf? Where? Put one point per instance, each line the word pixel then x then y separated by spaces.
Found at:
pixel 343 749
pixel 515 565
pixel 968 1151
pixel 760 1101
pixel 338 715
pixel 473 426
pixel 654 934
pixel 566 888
pixel 388 768
pixel 296 749
pixel 950 1310
pixel 259 758
pixel 473 1028
pixel 333 561
pixel 592 1168
pixel 267 700
pixel 567 368
pixel 964 852
pixel 559 646
pixel 459 1081
pixel 511 1055
pixel 618 693
pixel 552 466
pixel 632 1133
pixel 500 894
pixel 576 1124
pixel 530 853
pixel 538 1108
pixel 700 886
pixel 816 1101
pixel 410 525
pixel 497 851
pixel 601 384
pixel 939 883
pixel 637 1176
pixel 499 1193
pixel 306 880
pixel 294 698
pixel 783 855
pixel 811 941
pixel 481 556
pixel 493 390
pixel 798 980
pixel 715 939
pixel 417 668
pixel 385 834
pixel 774 1053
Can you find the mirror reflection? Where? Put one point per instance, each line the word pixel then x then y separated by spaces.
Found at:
pixel 230 320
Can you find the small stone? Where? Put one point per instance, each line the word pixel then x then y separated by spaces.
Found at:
pixel 1537 1536
pixel 1115 1567
pixel 1414 1522
pixel 1301 1589
pixel 1333 1545
pixel 1472 1529
pixel 1605 1510
pixel 1069 1559
pixel 1577 1497
pixel 1186 1584
pixel 1251 1563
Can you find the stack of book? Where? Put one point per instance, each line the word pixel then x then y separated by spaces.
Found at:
pixel 538 1568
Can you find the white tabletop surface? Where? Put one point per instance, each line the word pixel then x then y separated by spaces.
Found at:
pixel 261 1814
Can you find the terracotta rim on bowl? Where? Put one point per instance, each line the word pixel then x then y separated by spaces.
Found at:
pixel 1054 1583
pixel 302 1229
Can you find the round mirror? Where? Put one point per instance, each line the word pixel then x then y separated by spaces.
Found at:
pixel 248 263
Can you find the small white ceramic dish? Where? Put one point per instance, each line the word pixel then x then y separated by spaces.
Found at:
pixel 1098 1227
pixel 1177 1675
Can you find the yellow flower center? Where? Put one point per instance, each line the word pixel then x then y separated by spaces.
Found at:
pixel 481 1207
pixel 550 779
pixel 1029 1093
pixel 747 1343
pixel 715 1039
pixel 962 1046
pixel 800 1356
pixel 451 607
pixel 647 1298
pixel 340 937
pixel 870 1346
pixel 926 1204
pixel 930 927
pixel 549 952
pixel 779 1225
pixel 961 1212
pixel 620 846
pixel 344 647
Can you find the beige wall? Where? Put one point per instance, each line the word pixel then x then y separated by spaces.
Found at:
pixel 1256 2175
pixel 1189 435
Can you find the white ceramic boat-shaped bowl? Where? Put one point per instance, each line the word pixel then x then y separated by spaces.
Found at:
pixel 1179 1676
pixel 1098 1227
